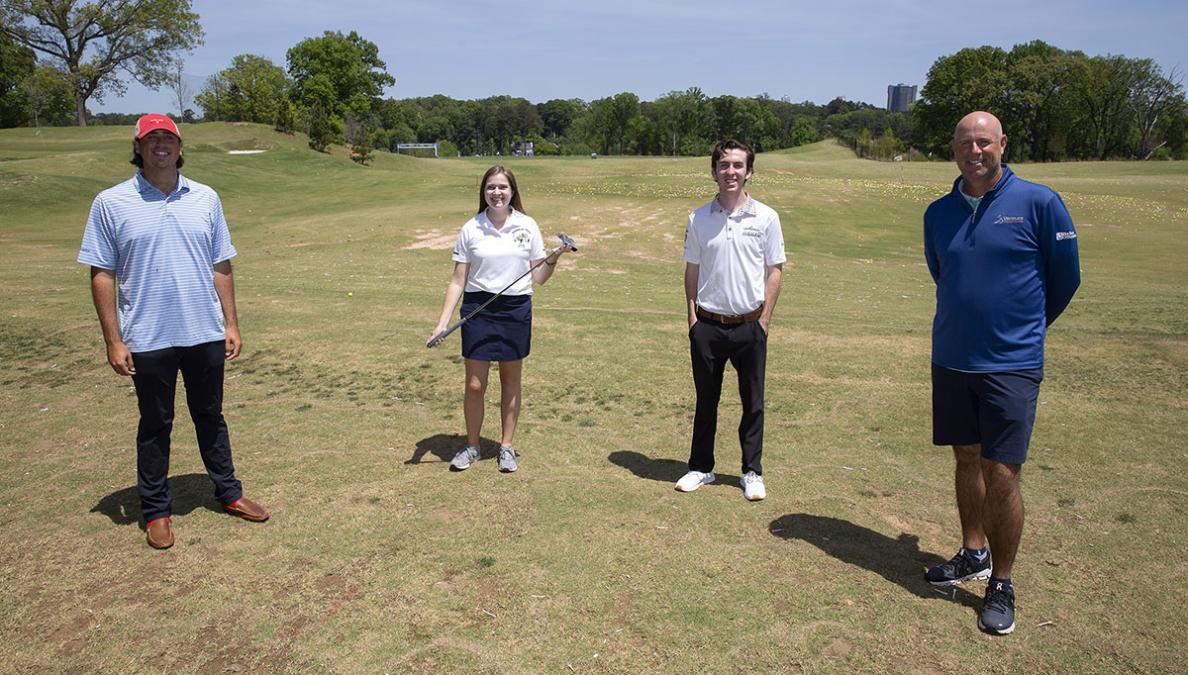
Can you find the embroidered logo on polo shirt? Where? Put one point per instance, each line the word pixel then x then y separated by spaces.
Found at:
pixel 1009 220
pixel 752 231
pixel 522 238
pixel 1061 236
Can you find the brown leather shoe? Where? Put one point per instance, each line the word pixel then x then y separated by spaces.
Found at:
pixel 247 509
pixel 159 532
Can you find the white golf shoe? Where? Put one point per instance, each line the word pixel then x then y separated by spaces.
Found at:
pixel 693 480
pixel 752 485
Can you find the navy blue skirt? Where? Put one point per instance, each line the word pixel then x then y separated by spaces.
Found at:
pixel 501 332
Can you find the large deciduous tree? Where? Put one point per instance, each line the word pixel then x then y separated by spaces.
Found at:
pixel 340 73
pixel 1152 98
pixel 558 115
pixel 1103 91
pixel 94 41
pixel 972 79
pixel 624 109
pixel 1038 98
pixel 1054 103
pixel 253 89
pixel 682 116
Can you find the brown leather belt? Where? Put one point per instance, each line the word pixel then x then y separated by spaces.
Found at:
pixel 729 320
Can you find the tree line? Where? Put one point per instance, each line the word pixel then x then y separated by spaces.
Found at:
pixel 686 122
pixel 331 89
pixel 1056 104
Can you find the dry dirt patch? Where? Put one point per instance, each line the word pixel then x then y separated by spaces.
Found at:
pixel 430 239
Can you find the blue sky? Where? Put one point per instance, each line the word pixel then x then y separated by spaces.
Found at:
pixel 544 49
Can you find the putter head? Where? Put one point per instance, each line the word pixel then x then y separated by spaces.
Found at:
pixel 567 241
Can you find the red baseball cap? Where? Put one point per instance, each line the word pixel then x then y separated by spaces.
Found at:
pixel 152 122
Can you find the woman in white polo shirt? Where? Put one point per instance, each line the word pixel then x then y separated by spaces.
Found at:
pixel 498 245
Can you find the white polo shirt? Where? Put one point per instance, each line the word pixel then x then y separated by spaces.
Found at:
pixel 498 256
pixel 732 252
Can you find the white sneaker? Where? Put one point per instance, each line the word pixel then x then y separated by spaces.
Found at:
pixel 507 459
pixel 752 485
pixel 693 480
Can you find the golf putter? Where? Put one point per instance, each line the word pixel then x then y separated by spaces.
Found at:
pixel 437 339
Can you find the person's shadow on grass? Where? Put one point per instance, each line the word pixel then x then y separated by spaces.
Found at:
pixel 898 560
pixel 190 492
pixel 445 446
pixel 663 470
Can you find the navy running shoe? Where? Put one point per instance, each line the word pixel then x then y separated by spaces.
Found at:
pixel 998 611
pixel 960 568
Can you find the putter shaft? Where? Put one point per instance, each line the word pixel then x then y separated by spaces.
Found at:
pixel 437 339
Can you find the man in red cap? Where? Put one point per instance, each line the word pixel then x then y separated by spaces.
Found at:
pixel 161 240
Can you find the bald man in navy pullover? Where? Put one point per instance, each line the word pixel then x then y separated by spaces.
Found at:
pixel 1003 254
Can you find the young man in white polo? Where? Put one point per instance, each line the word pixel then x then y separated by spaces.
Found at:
pixel 734 261
pixel 160 256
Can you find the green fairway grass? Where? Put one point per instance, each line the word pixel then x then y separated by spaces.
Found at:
pixel 378 559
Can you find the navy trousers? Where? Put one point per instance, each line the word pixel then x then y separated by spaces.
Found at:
pixel 711 346
pixel 201 367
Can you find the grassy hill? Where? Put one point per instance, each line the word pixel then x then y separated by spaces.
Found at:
pixel 586 560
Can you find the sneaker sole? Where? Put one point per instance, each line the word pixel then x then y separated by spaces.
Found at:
pixel 681 489
pixel 454 467
pixel 503 470
pixel 977 576
pixel 995 631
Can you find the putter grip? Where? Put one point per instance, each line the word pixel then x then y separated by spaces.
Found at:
pixel 440 337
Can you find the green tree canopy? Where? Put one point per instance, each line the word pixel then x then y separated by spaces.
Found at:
pixel 92 41
pixel 341 73
pixel 682 116
pixel 559 114
pixel 16 65
pixel 1053 103
pixel 972 79
pixel 253 89
pixel 49 98
pixel 1038 99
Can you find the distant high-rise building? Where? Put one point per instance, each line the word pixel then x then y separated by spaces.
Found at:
pixel 900 96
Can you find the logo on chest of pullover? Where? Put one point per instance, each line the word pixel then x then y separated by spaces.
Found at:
pixel 1009 220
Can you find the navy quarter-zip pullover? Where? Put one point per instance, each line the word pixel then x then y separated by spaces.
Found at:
pixel 1003 274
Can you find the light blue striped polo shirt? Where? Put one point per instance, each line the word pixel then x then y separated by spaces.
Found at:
pixel 162 249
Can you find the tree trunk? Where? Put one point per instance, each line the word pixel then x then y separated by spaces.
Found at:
pixel 1152 152
pixel 80 107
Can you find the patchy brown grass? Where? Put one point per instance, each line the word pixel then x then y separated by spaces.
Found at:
pixel 377 559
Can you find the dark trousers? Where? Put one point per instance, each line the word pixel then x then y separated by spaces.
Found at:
pixel 201 367
pixel 711 345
